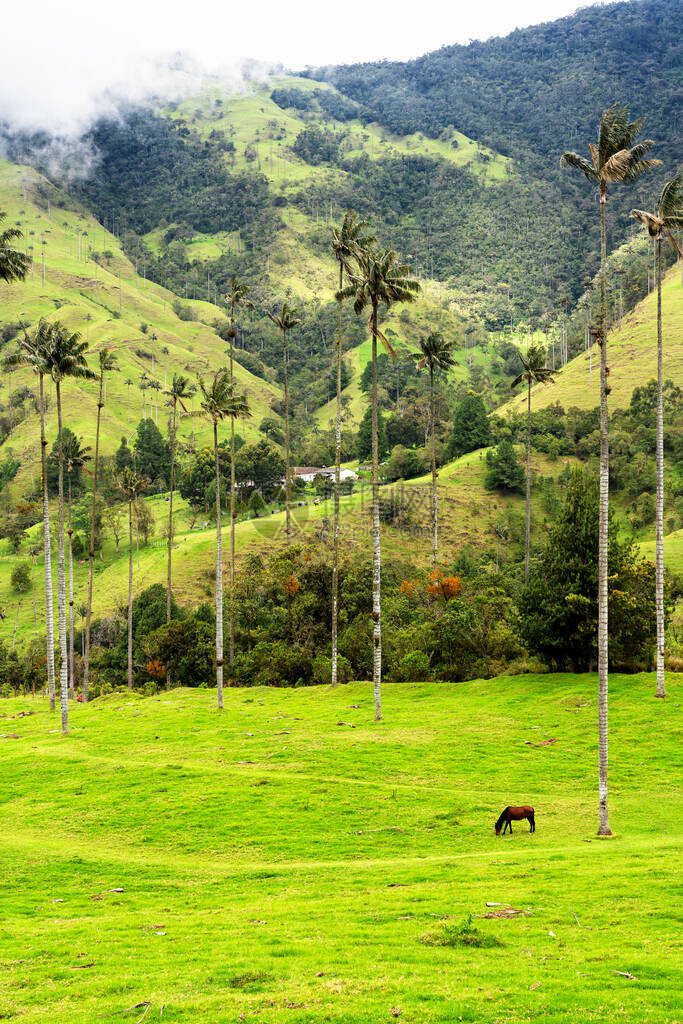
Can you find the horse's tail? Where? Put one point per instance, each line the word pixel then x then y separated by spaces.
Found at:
pixel 502 818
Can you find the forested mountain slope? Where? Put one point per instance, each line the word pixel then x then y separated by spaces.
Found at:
pixel 537 90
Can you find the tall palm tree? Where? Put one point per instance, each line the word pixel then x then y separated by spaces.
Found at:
pixel 128 382
pixel 218 400
pixel 616 158
pixel 178 393
pixel 107 361
pixel 667 218
pixel 535 372
pixel 379 279
pixel 348 241
pixel 14 264
pixel 237 407
pixel 65 359
pixel 131 485
pixel 285 321
pixel 75 458
pixel 237 296
pixel 33 352
pixel 437 355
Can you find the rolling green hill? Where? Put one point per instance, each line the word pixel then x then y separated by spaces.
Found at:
pixel 632 356
pixel 107 302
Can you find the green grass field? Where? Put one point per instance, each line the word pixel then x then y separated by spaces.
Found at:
pixel 291 860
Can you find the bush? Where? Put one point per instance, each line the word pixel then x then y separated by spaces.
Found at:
pixel 322 669
pixel 460 935
pixel 21 578
pixel 414 667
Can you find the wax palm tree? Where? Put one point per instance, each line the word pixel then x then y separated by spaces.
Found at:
pixel 535 372
pixel 667 218
pixel 286 320
pixel 236 298
pixel 178 393
pixel 219 400
pixel 348 241
pixel 237 407
pixel 75 458
pixel 65 359
pixel 617 157
pixel 129 383
pixel 130 485
pixel 379 280
pixel 33 351
pixel 14 264
pixel 107 363
pixel 437 355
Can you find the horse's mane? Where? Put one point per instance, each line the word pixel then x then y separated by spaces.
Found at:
pixel 502 817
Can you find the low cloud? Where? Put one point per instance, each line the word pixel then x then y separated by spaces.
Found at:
pixel 48 127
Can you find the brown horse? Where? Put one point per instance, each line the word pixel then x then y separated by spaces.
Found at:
pixel 511 814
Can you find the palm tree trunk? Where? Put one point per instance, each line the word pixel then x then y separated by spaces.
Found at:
pixel 376 553
pixel 49 607
pixel 603 610
pixel 337 479
pixel 219 578
pixel 91 550
pixel 61 579
pixel 435 507
pixel 287 469
pixel 170 530
pixel 659 525
pixel 71 599
pixel 130 593
pixel 528 481
pixel 232 543
pixel 231 643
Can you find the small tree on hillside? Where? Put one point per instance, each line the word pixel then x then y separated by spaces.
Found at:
pixel 470 426
pixel 504 472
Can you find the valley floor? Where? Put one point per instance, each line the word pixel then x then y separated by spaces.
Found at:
pixel 284 861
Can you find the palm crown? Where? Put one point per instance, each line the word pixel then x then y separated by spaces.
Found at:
pixel 287 318
pixel 65 355
pixel 130 483
pixel 221 400
pixel 435 353
pixel 668 214
pixel 33 349
pixel 348 241
pixel 75 457
pixel 237 293
pixel 617 157
pixel 107 360
pixel 14 264
pixel 180 390
pixel 535 371
pixel 380 279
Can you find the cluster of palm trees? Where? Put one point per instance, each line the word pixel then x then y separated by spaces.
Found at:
pixel 619 157
pixel 372 277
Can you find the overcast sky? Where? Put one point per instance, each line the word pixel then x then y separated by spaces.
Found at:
pixel 60 59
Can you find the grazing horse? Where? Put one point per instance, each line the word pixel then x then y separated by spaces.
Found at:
pixel 511 814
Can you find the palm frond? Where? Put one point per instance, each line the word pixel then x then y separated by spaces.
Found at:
pixel 653 223
pixel 580 163
pixel 670 204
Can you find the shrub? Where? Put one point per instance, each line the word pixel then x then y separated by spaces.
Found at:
pixel 322 669
pixel 460 935
pixel 414 667
pixel 21 578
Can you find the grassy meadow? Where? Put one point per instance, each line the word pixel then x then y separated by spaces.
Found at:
pixel 291 860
